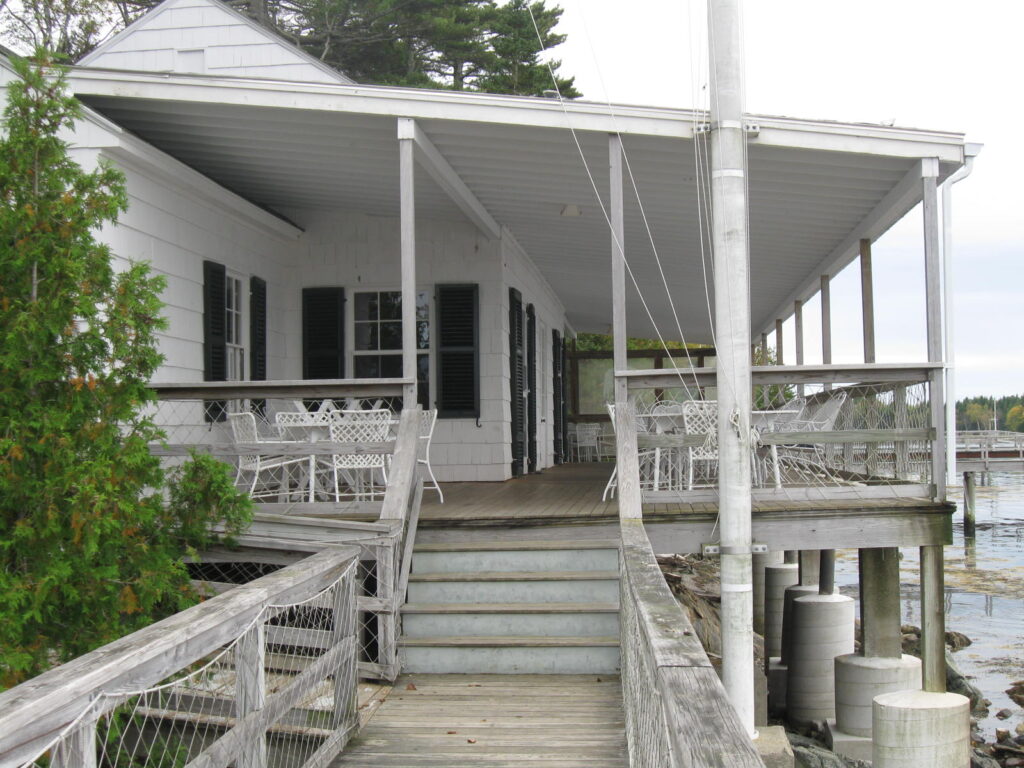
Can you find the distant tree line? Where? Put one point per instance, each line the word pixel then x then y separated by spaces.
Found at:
pixel 978 412
pixel 474 45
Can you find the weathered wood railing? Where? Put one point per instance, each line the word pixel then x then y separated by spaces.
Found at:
pixel 66 713
pixel 883 442
pixel 385 530
pixel 677 712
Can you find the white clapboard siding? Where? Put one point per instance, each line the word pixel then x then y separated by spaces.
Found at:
pixel 207 37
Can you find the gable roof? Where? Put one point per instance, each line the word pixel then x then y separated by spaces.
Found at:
pixel 208 37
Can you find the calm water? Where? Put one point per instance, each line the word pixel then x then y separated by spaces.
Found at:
pixel 984 590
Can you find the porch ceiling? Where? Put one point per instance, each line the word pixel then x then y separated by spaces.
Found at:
pixel 804 201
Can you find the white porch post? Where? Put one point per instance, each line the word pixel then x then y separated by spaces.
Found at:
pixel 933 304
pixel 732 326
pixel 798 329
pixel 627 460
pixel 407 202
pixel 826 320
pixel 867 298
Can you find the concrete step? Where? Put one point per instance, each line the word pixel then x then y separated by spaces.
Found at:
pixel 598 555
pixel 510 619
pixel 510 654
pixel 514 587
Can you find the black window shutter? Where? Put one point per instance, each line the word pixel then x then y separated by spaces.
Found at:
pixel 214 334
pixel 458 351
pixel 517 376
pixel 323 333
pixel 531 389
pixel 556 389
pixel 258 336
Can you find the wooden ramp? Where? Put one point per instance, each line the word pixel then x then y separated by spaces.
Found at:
pixel 497 721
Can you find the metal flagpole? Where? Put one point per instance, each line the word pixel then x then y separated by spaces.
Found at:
pixel 732 336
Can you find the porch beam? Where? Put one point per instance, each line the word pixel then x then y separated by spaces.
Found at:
pixel 407 223
pixel 890 209
pixel 441 171
pixel 787 374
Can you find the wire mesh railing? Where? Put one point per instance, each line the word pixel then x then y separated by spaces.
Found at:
pixel 677 713
pixel 264 674
pixel 858 432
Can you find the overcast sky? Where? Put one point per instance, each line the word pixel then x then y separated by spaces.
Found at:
pixel 935 64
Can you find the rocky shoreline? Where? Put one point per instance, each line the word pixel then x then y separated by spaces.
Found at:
pixel 695 583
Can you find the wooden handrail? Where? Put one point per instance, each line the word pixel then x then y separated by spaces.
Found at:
pixel 285 389
pixel 34 712
pixel 701 725
pixel 669 378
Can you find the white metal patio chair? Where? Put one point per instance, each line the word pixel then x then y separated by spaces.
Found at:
pixel 243 430
pixel 360 470
pixel 304 426
pixel 588 437
pixel 427 421
pixel 821 418
pixel 700 417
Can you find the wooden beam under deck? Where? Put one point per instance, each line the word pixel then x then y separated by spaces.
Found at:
pixel 564 503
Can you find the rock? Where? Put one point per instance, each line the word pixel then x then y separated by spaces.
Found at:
pixel 1004 714
pixel 957 683
pixel 957 640
pixel 1016 692
pixel 1020 729
pixel 1002 735
pixel 819 757
pixel 980 760
pixel 1014 762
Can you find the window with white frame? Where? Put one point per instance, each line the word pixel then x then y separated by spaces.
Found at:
pixel 233 328
pixel 377 348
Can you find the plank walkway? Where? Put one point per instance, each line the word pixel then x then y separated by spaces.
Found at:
pixel 494 721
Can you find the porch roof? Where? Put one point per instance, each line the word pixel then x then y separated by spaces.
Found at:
pixel 816 187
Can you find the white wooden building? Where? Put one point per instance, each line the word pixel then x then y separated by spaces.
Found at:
pixel 256 172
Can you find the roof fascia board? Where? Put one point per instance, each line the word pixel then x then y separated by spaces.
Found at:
pixel 512 110
pixel 894 206
pixel 241 17
pixel 447 178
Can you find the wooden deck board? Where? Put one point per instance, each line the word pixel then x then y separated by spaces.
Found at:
pixel 568 721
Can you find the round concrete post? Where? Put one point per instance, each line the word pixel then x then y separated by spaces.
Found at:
pixel 776 579
pixel 921 728
pixel 760 563
pixel 823 628
pixel 859 680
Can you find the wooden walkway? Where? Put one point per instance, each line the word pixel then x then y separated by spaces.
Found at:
pixel 497 721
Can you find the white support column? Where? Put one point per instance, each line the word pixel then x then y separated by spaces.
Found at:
pixel 732 324
pixel 627 459
pixel 867 297
pixel 933 304
pixel 826 322
pixel 779 357
pixel 407 197
pixel 798 328
pixel 947 286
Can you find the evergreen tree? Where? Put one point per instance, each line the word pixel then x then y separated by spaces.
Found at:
pixel 83 534
pixel 516 66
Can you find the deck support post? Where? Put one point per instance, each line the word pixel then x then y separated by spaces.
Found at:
pixel 933 619
pixel 970 505
pixel 880 602
pixel 733 378
pixel 407 218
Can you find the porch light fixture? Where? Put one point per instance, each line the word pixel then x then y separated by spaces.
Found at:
pixel 571 210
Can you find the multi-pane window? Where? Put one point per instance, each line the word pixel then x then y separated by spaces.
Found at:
pixel 377 351
pixel 234 341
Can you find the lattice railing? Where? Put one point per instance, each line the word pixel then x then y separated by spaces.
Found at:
pixel 677 713
pixel 264 674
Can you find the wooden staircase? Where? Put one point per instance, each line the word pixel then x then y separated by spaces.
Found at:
pixel 510 607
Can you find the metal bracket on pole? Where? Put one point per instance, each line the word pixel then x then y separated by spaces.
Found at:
pixel 751 129
pixel 714 550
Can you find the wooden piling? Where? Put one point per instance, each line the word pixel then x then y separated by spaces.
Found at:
pixel 970 505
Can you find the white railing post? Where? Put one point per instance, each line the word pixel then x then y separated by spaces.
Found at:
pixel 251 690
pixel 77 749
